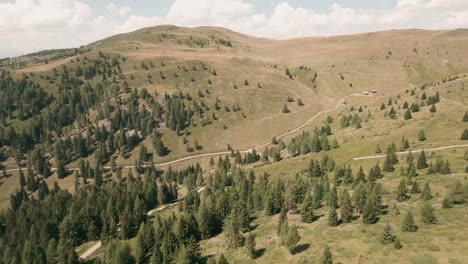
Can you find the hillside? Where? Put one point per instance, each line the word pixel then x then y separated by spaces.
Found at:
pixel 156 114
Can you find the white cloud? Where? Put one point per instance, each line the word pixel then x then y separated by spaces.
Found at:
pixel 118 10
pixel 31 25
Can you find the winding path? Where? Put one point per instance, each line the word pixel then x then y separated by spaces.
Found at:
pixel 412 151
pixel 340 102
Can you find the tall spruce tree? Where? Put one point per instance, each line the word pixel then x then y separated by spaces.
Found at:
pixel 422 161
pixel 408 224
pixel 427 214
pixel 387 236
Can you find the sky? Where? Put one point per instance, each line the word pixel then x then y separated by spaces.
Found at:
pixel 32 25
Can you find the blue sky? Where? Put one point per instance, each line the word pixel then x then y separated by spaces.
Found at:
pixel 161 7
pixel 33 25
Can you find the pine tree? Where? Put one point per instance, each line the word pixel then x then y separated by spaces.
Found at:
pixel 292 238
pixel 333 199
pixel 346 208
pixel 61 170
pixel 232 231
pixel 464 135
pixel 307 209
pixel 250 245
pixel 432 109
pixel 426 193
pixel 159 147
pixel 370 212
pixel 392 113
pixel 397 243
pixel 415 187
pixel 427 214
pixel 421 135
pixel 402 192
pixel 422 161
pixel 285 109
pixel 222 259
pixel 22 179
pixel 332 217
pixel 446 203
pixel 408 115
pixel 465 117
pixel 408 224
pixel 387 235
pixel 327 257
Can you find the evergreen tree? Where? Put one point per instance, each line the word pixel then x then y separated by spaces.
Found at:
pixel 307 209
pixel 333 199
pixel 61 170
pixel 421 135
pixel 408 224
pixel 370 212
pixel 346 208
pixel 402 192
pixel 427 214
pixel 397 243
pixel 465 117
pixel 250 245
pixel 22 179
pixel 446 203
pixel 426 193
pixel 432 109
pixel 422 161
pixel 327 257
pixel 387 235
pixel 464 135
pixel 408 115
pixel 415 187
pixel 292 238
pixel 232 231
pixel 392 113
pixel 222 259
pixel 332 217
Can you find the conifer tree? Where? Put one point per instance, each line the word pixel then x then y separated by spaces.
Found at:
pixel 370 212
pixel 432 109
pixel 332 217
pixel 392 113
pixel 464 135
pixel 402 192
pixel 232 231
pixel 307 209
pixel 327 257
pixel 285 109
pixel 426 193
pixel 387 235
pixel 421 135
pixel 446 203
pixel 397 243
pixel 408 114
pixel 250 245
pixel 292 238
pixel 415 187
pixel 422 161
pixel 465 117
pixel 22 179
pixel 408 224
pixel 346 208
pixel 427 214
pixel 333 199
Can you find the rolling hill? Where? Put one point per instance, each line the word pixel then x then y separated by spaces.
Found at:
pixel 168 97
